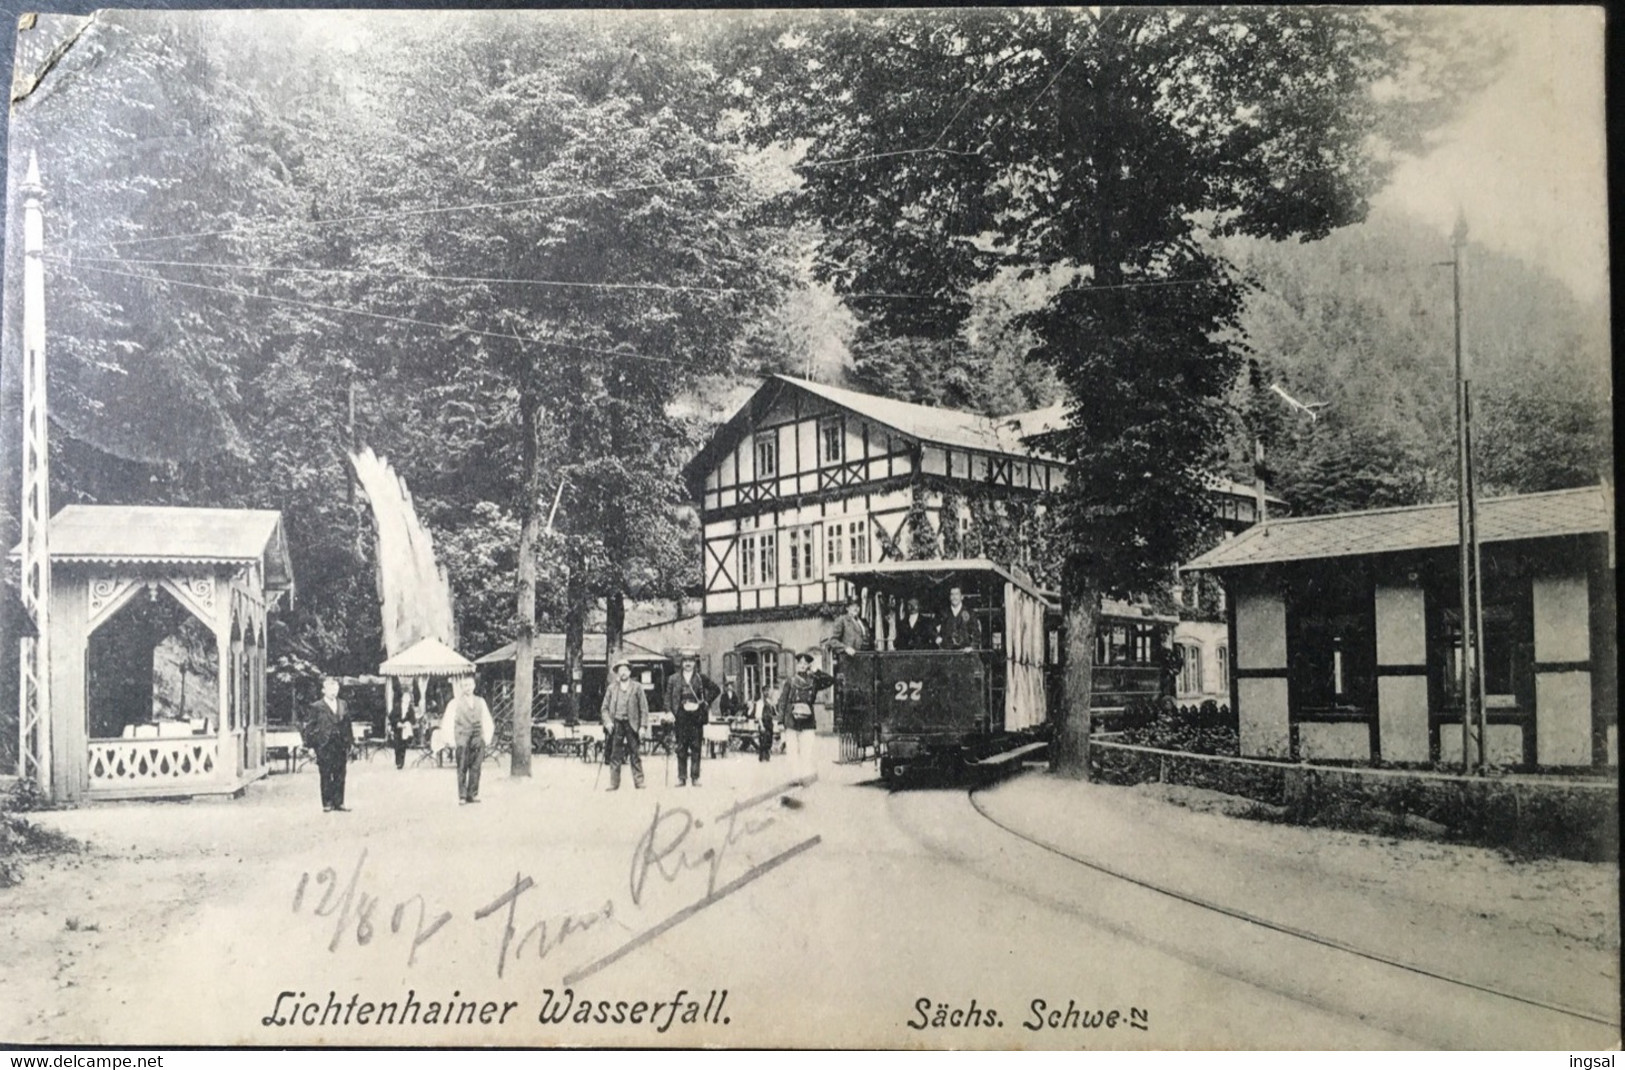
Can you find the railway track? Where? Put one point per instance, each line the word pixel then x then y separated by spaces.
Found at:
pixel 1311 984
pixel 1289 930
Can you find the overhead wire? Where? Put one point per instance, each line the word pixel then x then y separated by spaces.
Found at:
pixel 512 336
pixel 514 202
pixel 934 147
pixel 463 279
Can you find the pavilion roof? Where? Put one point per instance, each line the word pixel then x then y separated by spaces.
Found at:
pixel 427 657
pixel 142 534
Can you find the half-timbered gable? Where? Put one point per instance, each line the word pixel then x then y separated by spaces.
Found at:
pixel 808 477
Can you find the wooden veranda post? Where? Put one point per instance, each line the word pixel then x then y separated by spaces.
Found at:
pixel 34 694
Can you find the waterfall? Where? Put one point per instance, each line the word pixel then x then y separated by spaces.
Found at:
pixel 412 588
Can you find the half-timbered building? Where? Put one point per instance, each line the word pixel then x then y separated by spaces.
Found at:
pixel 807 478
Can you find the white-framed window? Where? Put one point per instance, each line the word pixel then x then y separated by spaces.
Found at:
pixel 767 455
pixel 758 559
pixel 801 554
pixel 832 441
pixel 857 541
pixel 1221 663
pixel 1190 669
pixel 846 541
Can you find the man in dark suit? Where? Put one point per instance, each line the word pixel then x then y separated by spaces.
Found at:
pixel 959 630
pixel 688 699
pixel 326 728
pixel 915 630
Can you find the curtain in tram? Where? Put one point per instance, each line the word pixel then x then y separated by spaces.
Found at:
pixel 1024 659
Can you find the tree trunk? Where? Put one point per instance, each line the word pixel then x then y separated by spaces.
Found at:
pixel 614 623
pixel 524 647
pixel 575 628
pixel 1069 750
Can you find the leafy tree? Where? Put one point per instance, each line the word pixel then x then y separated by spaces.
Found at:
pixel 589 137
pixel 1108 144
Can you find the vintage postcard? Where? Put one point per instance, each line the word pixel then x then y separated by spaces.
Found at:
pixel 908 529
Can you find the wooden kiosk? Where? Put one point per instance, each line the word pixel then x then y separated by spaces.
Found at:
pixel 158 648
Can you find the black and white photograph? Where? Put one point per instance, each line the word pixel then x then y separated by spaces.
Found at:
pixel 959 528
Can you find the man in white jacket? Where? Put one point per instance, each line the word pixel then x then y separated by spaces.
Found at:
pixel 467 723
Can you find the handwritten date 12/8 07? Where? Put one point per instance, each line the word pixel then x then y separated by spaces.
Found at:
pixel 935 1014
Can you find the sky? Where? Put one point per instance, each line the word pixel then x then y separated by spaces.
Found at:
pixel 1527 160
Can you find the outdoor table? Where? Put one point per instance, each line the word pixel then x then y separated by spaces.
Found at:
pixel 661 736
pixel 716 739
pixel 285 745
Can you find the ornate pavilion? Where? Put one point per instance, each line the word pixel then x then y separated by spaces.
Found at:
pixel 158 648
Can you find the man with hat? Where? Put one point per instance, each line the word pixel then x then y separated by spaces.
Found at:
pixel 624 713
pixel 851 634
pixel 796 699
pixel 688 699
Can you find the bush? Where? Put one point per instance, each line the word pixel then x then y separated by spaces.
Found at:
pixel 21 838
pixel 1528 817
pixel 1187 730
pixel 24 797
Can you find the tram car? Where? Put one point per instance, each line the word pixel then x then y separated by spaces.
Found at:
pixel 934 695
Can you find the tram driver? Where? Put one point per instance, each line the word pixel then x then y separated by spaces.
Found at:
pixel 958 630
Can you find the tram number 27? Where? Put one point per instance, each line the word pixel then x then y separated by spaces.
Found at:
pixel 907 690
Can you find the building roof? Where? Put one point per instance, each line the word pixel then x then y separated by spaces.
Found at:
pixel 1580 511
pixel 1007 435
pixel 948 427
pixel 120 534
pixel 427 657
pixel 642 645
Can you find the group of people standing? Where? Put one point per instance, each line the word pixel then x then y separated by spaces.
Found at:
pixel 690 697
pixel 625 714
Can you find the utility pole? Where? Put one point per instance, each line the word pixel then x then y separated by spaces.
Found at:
pixel 34 695
pixel 1472 624
pixel 1260 509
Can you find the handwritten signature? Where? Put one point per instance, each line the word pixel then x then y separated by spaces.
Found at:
pixel 668 849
